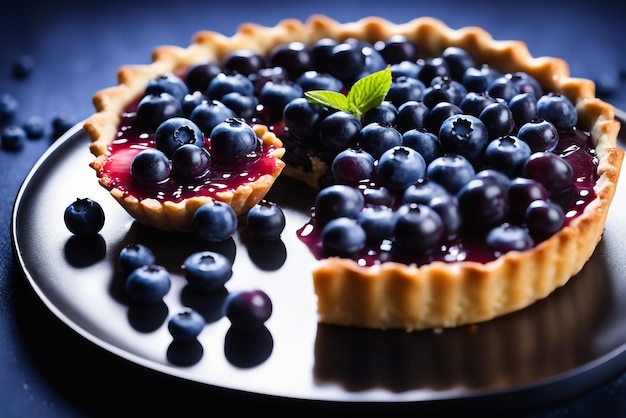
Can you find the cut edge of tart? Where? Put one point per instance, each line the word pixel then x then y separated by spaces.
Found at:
pixel 394 295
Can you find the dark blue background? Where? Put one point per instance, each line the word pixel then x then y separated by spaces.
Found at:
pixel 47 369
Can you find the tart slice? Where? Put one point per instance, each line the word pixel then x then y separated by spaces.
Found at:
pixel 387 257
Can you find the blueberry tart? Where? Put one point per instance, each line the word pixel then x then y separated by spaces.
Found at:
pixel 459 178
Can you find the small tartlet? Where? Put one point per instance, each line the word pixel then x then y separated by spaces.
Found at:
pixel 394 295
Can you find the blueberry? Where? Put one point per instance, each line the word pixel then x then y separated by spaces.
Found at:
pixel 478 79
pixel 384 114
pixel 439 113
pixel 214 221
pixel 475 102
pixel 352 166
pixel 398 48
pixel 523 106
pixel 507 154
pixel 557 109
pixel 153 109
pixel 84 217
pixel 340 130
pixel 342 236
pixel 321 52
pixel 411 115
pixel 186 325
pixel 13 137
pixel 377 138
pixel 502 88
pixel 448 209
pixel 62 123
pixel 378 196
pixel 404 89
pixel 399 167
pixel 435 94
pixel 346 62
pixel 455 91
pixel 522 192
pixel 244 106
pixel 35 127
pixel 228 83
pixel 274 96
pixel 464 135
pixel 539 134
pixel 377 221
pixel 148 284
pixel 495 175
pixel 191 101
pixel 405 68
pixel 423 192
pixel 208 114
pixel 483 201
pixel 338 201
pixel 431 68
pixel 452 171
pixel 244 61
pixel 199 76
pixel 544 218
pixel 302 118
pixel 526 83
pixel 8 107
pixel 458 60
pixel 295 57
pixel 509 237
pixel 207 271
pixel 191 161
pixel 498 119
pixel 549 169
pixel 233 139
pixel 248 308
pixel 426 143
pixel 167 83
pixel 133 256
pixel 150 166
pixel 265 220
pixel 176 132
pixel 418 228
pixel 313 80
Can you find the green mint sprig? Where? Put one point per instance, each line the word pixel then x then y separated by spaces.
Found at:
pixel 367 93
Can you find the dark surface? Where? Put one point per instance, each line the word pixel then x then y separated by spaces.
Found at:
pixel 50 370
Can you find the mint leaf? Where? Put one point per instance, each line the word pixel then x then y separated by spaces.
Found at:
pixel 328 98
pixel 366 94
pixel 369 92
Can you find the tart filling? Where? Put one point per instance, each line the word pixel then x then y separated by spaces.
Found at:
pixel 460 282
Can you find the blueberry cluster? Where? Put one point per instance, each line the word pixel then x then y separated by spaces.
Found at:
pixel 205 271
pixel 454 146
pixel 445 151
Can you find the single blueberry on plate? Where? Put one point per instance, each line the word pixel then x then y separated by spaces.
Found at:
pixel 133 256
pixel 265 220
pixel 214 221
pixel 84 217
pixel 207 270
pixel 186 325
pixel 148 284
pixel 247 308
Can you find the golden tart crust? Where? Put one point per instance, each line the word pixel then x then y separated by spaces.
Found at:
pixel 395 295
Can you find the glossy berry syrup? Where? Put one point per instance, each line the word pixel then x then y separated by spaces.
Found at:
pixel 222 177
pixel 574 145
